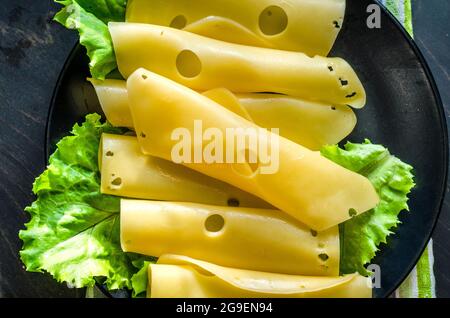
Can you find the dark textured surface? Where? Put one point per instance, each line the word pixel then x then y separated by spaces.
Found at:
pixel 432 26
pixel 32 53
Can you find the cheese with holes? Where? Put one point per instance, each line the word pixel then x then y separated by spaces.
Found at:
pixel 202 64
pixel 168 116
pixel 256 239
pixel 127 172
pixel 183 277
pixel 296 25
pixel 310 124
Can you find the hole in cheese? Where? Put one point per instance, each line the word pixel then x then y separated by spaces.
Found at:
pixel 116 183
pixel 343 82
pixel 233 202
pixel 273 20
pixel 214 223
pixel 188 64
pixel 313 233
pixel 179 22
pixel 109 153
pixel 352 212
pixel 323 256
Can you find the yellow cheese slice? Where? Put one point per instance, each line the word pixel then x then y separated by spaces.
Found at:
pixel 113 98
pixel 310 124
pixel 127 172
pixel 297 25
pixel 228 100
pixel 304 184
pixel 183 277
pixel 227 30
pixel 256 239
pixel 202 64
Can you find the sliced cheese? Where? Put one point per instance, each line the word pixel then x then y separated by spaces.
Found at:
pixel 310 124
pixel 202 64
pixel 297 25
pixel 127 172
pixel 304 184
pixel 256 239
pixel 113 98
pixel 183 277
pixel 227 30
pixel 228 100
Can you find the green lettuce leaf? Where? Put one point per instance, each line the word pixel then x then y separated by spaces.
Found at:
pixel 105 10
pixel 90 18
pixel 74 229
pixel 362 235
pixel 139 280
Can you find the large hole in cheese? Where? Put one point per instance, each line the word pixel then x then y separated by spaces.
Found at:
pixel 214 223
pixel 188 64
pixel 273 20
pixel 179 22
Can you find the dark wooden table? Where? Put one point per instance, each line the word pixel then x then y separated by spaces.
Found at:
pixel 29 40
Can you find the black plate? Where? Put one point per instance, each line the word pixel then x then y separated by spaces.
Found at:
pixel 404 112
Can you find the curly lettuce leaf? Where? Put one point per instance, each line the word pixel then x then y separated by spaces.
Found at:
pixel 74 230
pixel 393 179
pixel 105 10
pixel 139 281
pixel 90 18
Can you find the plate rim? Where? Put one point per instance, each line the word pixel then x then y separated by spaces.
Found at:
pixel 444 132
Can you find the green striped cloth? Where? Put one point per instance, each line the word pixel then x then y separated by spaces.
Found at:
pixel 420 282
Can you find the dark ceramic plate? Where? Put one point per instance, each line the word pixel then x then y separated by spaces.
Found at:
pixel 404 112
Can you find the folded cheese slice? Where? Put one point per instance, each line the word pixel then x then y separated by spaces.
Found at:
pixel 202 63
pixel 127 172
pixel 310 124
pixel 256 239
pixel 292 178
pixel 227 30
pixel 297 25
pixel 183 277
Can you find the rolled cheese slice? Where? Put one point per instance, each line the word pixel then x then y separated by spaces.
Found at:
pixel 113 98
pixel 183 277
pixel 309 124
pixel 202 64
pixel 127 172
pixel 296 25
pixel 300 182
pixel 256 239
